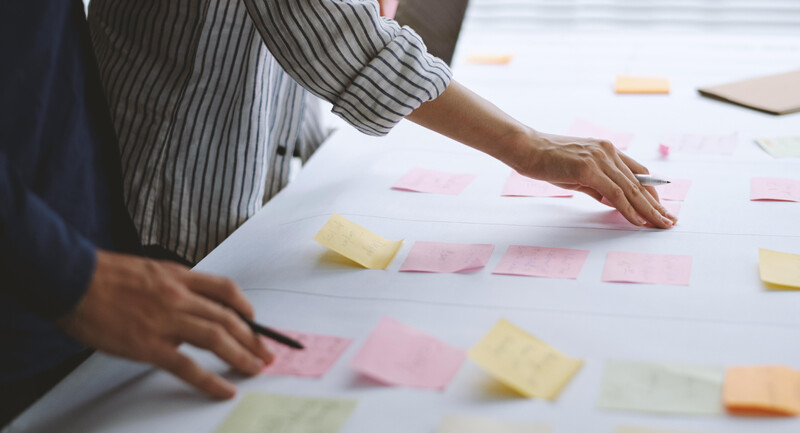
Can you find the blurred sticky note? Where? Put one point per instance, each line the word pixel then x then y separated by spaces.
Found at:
pixel 446 257
pixel 357 243
pixel 474 424
pixel 523 362
pixel 319 354
pixel 780 147
pixel 259 412
pixel 774 189
pixel 675 190
pixel 634 429
pixel 781 269
pixel 584 128
pixel 617 219
pixel 701 144
pixel 490 59
pixel 661 387
pixel 432 181
pixel 523 186
pixel 399 355
pixel 542 262
pixel 627 267
pixel 762 390
pixel 634 84
pixel 664 150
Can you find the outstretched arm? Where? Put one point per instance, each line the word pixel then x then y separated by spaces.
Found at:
pixel 592 166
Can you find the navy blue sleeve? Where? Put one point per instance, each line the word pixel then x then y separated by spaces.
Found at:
pixel 44 263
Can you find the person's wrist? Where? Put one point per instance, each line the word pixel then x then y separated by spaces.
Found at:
pixel 519 146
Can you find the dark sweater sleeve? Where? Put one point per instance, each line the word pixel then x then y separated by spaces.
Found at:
pixel 44 263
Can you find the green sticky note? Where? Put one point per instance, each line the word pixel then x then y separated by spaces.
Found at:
pixel 662 388
pixel 780 147
pixel 259 413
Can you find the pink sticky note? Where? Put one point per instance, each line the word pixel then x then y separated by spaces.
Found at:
pixel 584 128
pixel 625 267
pixel 773 188
pixel 616 218
pixel 438 182
pixel 542 262
pixel 523 186
pixel 701 143
pixel 319 354
pixel 663 150
pixel 676 190
pixel 446 257
pixel 399 355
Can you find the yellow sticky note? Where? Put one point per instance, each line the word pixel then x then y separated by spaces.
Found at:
pixel 490 59
pixel 781 269
pixel 357 243
pixel 258 412
pixel 523 362
pixel 629 84
pixel 762 390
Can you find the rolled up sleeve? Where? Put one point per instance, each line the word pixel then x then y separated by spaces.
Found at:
pixel 372 70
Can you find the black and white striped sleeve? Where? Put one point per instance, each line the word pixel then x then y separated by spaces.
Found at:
pixel 373 71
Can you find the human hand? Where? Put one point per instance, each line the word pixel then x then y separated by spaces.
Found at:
pixel 144 309
pixel 597 168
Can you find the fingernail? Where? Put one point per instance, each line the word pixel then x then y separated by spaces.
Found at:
pixel 642 221
pixel 672 217
pixel 667 221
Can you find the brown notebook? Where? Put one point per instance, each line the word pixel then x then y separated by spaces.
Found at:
pixel 775 94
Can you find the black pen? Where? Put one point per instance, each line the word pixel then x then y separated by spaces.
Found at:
pixel 271 334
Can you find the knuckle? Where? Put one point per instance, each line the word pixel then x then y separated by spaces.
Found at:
pixel 617 193
pixel 216 336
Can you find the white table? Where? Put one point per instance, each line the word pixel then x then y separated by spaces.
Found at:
pixel 724 317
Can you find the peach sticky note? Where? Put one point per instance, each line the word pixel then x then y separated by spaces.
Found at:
pixel 762 390
pixel 615 218
pixel 542 262
pixel 584 128
pixel 675 190
pixel 490 59
pixel 399 355
pixel 357 243
pixel 632 84
pixel 774 189
pixel 523 362
pixel 319 354
pixel 523 186
pixel 437 182
pixel 446 257
pixel 627 267
pixel 702 144
pixel 635 429
pixel 780 269
pixel 473 424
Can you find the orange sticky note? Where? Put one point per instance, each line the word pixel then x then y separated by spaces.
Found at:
pixel 490 59
pixel 762 390
pixel 630 84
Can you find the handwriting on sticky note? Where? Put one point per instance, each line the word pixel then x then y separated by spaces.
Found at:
pixel 762 390
pixel 542 262
pixel 357 243
pixel 523 186
pixel 446 257
pixel 703 144
pixel 523 362
pixel 780 269
pixel 676 190
pixel 781 147
pixel 661 387
pixel 615 218
pixel 259 412
pixel 584 128
pixel 473 424
pixel 627 267
pixel 634 84
pixel 774 189
pixel 432 181
pixel 319 354
pixel 490 59
pixel 399 355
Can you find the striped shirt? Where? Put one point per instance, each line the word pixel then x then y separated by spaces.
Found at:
pixel 211 99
